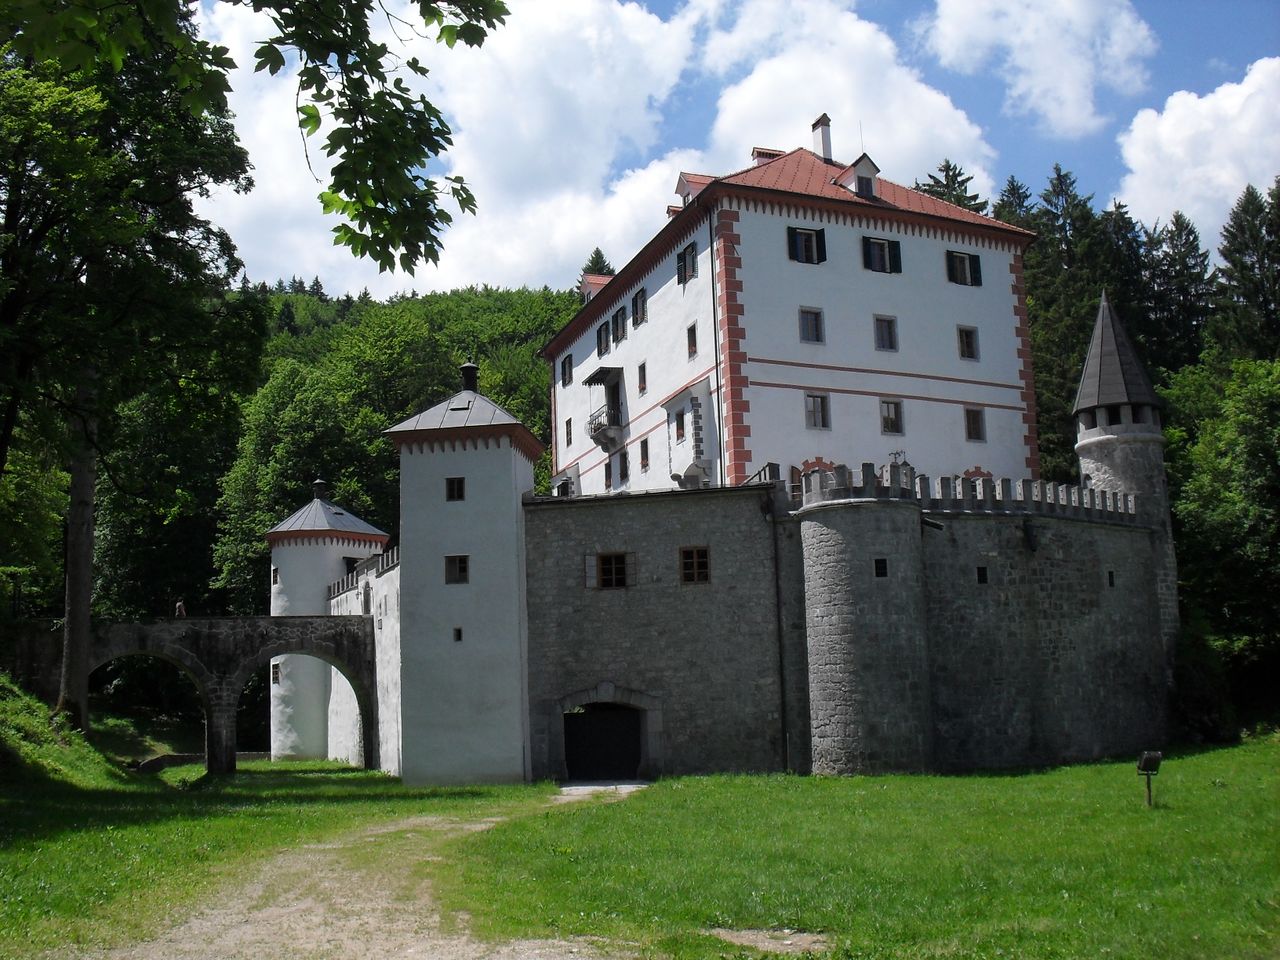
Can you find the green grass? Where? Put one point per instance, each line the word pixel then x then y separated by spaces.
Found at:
pixel 91 854
pixel 1066 863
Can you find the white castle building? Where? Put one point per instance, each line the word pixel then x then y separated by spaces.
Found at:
pixel 754 604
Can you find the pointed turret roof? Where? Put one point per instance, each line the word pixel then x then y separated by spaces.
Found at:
pixel 468 413
pixel 322 517
pixel 1112 371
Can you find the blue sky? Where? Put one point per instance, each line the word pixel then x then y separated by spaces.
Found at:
pixel 573 121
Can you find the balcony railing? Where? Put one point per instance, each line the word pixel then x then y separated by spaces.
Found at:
pixel 605 426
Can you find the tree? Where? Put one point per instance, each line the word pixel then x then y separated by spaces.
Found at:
pixel 1014 203
pixel 953 187
pixel 1248 302
pixel 1179 290
pixel 598 265
pixel 384 134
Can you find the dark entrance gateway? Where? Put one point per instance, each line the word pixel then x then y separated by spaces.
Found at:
pixel 602 742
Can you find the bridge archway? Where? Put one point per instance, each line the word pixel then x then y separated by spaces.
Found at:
pixel 221 654
pixel 610 732
pixel 160 697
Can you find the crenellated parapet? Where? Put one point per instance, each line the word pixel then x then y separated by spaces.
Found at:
pixel 964 495
pixel 379 563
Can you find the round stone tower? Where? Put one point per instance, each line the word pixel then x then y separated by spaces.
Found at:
pixel 865 621
pixel 1120 445
pixel 317 545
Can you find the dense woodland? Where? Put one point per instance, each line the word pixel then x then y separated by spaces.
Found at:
pixel 158 412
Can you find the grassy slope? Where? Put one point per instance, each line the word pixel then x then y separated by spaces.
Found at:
pixel 1067 863
pixel 90 853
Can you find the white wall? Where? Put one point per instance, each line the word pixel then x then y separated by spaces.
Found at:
pixel 464 710
pixel 660 344
pixel 926 372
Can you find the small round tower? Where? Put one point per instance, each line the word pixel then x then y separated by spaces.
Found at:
pixel 317 545
pixel 1120 445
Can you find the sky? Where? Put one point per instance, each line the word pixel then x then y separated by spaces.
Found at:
pixel 573 121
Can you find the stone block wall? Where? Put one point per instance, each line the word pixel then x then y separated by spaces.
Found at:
pixel 703 656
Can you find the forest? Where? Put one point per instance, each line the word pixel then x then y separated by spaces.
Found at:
pixel 159 411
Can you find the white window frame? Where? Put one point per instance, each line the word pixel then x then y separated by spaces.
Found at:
pixel 891 325
pixel 887 403
pixel 819 325
pixel 961 331
pixel 817 410
pixel 975 417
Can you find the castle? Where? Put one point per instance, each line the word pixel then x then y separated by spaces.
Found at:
pixel 712 588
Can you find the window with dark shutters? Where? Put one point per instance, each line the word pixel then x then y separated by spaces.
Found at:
pixel 882 256
pixel 806 245
pixel 964 268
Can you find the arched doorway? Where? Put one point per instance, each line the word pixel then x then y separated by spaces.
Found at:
pixel 145 706
pixel 603 741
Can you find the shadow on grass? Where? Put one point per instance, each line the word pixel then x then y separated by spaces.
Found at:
pixel 33 806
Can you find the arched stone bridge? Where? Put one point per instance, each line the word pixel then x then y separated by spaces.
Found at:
pixel 220 654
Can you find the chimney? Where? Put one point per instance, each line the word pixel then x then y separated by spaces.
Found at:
pixel 317 488
pixel 822 137
pixel 469 372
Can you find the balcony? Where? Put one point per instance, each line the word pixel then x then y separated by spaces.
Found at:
pixel 605 427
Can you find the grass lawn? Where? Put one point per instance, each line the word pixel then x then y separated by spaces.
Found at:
pixel 1065 863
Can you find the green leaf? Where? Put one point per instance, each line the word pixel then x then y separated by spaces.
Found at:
pixel 309 118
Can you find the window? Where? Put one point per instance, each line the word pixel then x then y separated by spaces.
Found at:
pixel 694 565
pixel 275 673
pixel 620 325
pixel 891 416
pixel 642 380
pixel 982 575
pixel 456 569
pixel 817 411
pixel 964 268
pixel 624 467
pixel 608 474
pixel 611 571
pixel 602 339
pixel 639 308
pixel 275 574
pixel 566 370
pixel 975 424
pixel 967 341
pixel 866 188
pixel 568 432
pixel 455 488
pixel 680 425
pixel 806 246
pixel 644 455
pixel 692 336
pixel 687 264
pixel 457 634
pixel 882 256
pixel 1111 578
pixel 886 333
pixel 882 566
pixel 811 325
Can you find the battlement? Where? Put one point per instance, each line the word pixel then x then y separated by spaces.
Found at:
pixel 379 563
pixel 968 495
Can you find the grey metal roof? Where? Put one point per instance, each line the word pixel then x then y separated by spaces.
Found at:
pixel 1112 371
pixel 464 409
pixel 322 516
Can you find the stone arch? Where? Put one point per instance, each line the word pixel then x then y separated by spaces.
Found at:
pixel 606 691
pixel 180 658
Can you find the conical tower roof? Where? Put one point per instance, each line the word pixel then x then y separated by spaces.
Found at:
pixel 1113 373
pixel 322 517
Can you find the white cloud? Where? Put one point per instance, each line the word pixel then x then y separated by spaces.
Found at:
pixel 1198 153
pixel 567 127
pixel 1053 57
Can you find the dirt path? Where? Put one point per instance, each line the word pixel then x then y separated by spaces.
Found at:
pixel 359 897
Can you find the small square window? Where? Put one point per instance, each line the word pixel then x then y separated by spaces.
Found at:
pixel 644 454
pixel 680 425
pixel 457 634
pixel 611 571
pixel 275 574
pixel 882 567
pixel 455 488
pixel 866 187
pixel 692 336
pixel 457 569
pixel 982 575
pixel 881 256
pixel 811 325
pixel 620 325
pixel 602 339
pixel 694 565
pixel 975 423
pixel 886 333
pixel 967 342
pixel 817 411
pixel 687 264
pixel 806 245
pixel 891 416
pixel 568 432
pixel 642 379
pixel 566 370
pixel 964 268
pixel 639 308
pixel 275 673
